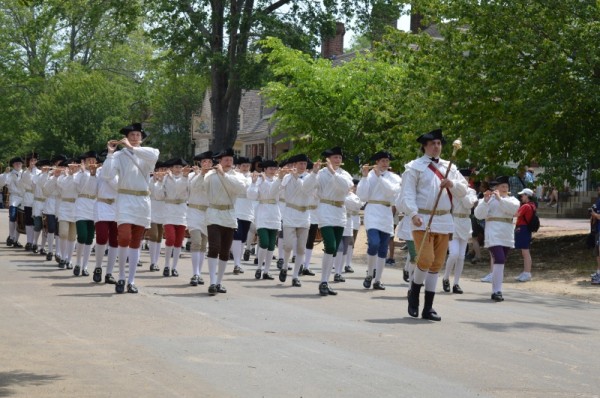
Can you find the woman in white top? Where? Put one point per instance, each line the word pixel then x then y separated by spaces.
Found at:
pixel 265 189
pixel 498 208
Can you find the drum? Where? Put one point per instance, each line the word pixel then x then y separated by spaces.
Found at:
pixel 20 220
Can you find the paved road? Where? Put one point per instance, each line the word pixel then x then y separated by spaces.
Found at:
pixel 63 336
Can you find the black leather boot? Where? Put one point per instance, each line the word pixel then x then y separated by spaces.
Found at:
pixel 428 311
pixel 413 299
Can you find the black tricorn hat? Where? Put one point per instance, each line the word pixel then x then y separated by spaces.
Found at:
pixel 159 165
pixel 242 160
pixel 204 155
pixel 333 151
pixel 256 159
pixel 309 165
pixel 58 158
pixel 43 163
pixel 382 155
pixel 432 135
pixel 355 181
pixel 225 152
pixel 499 180
pixel 298 158
pixel 66 162
pixel 466 172
pixel 89 154
pixel 134 127
pixel 14 160
pixel 177 162
pixel 268 163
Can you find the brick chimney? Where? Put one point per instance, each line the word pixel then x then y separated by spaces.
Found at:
pixel 334 46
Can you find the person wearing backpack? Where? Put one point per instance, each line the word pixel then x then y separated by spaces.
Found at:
pixel 526 224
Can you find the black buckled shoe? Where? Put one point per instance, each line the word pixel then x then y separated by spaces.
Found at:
pixel 194 280
pixel 69 265
pixel 307 271
pixel 456 289
pixel 131 288
pixel 57 258
pixel 97 277
pixel 43 252
pixel 34 249
pixel 76 270
pixel 236 270
pixel 109 279
pixel 200 280
pixel 258 273
pixel 120 286
pixel 378 286
pixel 28 247
pixel 296 282
pixel 268 276
pixel 246 255
pixel 62 264
pixel 174 272
pixel 166 271
pixel 212 290
pixel 497 296
pixel 279 263
pixel 446 285
pixel 325 290
pixel 348 269
pixel 17 245
pixel 256 261
pixel 431 315
pixel 49 256
pixel 282 275
pixel 405 275
pixel 84 272
pixel 367 282
pixel 221 288
pixel 339 278
pixel 9 241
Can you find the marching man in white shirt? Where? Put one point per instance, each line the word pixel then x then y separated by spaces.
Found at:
pixel 133 164
pixel 244 211
pixel 423 180
pixel 378 187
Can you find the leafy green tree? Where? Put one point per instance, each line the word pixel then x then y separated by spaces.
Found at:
pixel 359 105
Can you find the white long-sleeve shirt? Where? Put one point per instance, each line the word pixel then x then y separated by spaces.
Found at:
pixel 52 195
pixel 353 204
pixel 197 205
pixel 299 192
pixel 175 199
pixel 39 198
pixel 133 166
pixel 266 192
pixel 68 194
pixel 383 189
pixel 498 232
pixel 14 187
pixel 461 213
pixel 332 187
pixel 87 186
pixel 244 207
pixel 26 183
pixel 106 192
pixel 221 191
pixel 420 187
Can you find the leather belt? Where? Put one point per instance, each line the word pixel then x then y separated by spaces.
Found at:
pixel 69 200
pixel 267 202
pixel 39 199
pixel 379 202
pixel 312 207
pixel 461 215
pixel 29 190
pixel 354 213
pixel 85 196
pixel 133 192
pixel 336 203
pixel 220 207
pixel 296 207
pixel 174 201
pixel 106 200
pixel 281 200
pixel 198 207
pixel 507 220
pixel 436 213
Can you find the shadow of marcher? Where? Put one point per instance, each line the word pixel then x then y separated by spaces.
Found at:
pixel 22 379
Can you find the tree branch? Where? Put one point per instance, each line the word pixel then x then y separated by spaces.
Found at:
pixel 275 6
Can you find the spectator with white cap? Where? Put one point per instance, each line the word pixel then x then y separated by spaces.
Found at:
pixel 523 234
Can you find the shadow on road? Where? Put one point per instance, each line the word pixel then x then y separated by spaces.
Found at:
pixel 22 379
pixel 406 320
pixel 504 327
